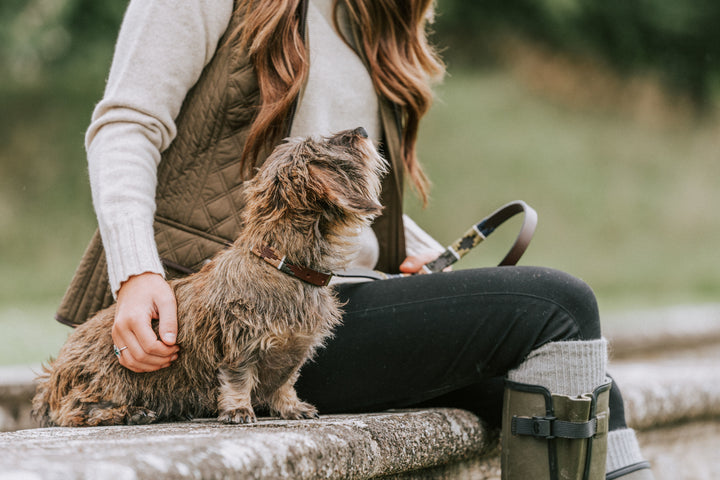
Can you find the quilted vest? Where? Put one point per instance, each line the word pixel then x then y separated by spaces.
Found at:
pixel 199 194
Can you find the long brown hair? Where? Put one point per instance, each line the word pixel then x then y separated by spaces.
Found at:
pixel 393 39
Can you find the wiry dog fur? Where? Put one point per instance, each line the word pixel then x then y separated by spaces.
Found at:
pixel 245 328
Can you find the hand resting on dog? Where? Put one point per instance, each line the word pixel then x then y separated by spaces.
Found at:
pixel 141 299
pixel 147 296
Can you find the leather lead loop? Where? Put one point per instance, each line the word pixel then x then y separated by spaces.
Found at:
pixel 477 233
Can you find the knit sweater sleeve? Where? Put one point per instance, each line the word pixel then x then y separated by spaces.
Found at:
pixel 162 47
pixel 417 240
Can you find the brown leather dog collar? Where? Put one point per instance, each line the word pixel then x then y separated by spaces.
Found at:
pixel 277 260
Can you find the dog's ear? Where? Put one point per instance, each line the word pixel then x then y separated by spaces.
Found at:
pixel 272 193
pixel 337 193
pixel 287 192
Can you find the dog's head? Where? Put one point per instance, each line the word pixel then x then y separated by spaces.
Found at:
pixel 326 186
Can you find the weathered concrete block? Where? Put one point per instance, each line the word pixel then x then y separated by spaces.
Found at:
pixel 662 330
pixel 479 468
pixel 687 451
pixel 17 388
pixel 335 447
pixel 674 387
pixel 668 374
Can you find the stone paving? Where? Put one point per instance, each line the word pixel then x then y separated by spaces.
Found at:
pixel 672 394
pixel 336 447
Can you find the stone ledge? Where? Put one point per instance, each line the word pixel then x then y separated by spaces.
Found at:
pixel 647 332
pixel 662 395
pixel 334 447
pixel 675 387
pixel 658 389
pixel 17 387
pixel 668 377
pixel 685 451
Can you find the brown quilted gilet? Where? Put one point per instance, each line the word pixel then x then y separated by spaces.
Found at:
pixel 199 193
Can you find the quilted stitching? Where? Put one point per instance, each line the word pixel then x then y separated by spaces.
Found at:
pixel 200 182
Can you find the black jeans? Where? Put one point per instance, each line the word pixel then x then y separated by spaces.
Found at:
pixel 446 339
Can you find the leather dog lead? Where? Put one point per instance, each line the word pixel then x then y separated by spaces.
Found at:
pixel 476 234
pixel 479 232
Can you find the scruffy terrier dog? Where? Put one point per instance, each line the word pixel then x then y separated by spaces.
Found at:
pixel 246 321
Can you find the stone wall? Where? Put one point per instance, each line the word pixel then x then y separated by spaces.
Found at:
pixel 672 394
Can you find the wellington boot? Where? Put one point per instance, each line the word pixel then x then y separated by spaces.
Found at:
pixel 554 437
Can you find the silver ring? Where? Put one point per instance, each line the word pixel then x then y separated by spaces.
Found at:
pixel 117 350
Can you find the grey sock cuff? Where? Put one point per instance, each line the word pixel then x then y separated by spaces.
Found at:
pixel 622 449
pixel 566 368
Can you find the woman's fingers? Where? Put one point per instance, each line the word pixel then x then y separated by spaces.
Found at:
pixel 144 352
pixel 414 263
pixel 138 360
pixel 167 314
pixel 141 299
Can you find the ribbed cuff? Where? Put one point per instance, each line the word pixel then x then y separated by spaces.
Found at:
pixel 566 368
pixel 622 449
pixel 130 250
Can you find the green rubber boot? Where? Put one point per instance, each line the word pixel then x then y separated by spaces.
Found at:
pixel 554 437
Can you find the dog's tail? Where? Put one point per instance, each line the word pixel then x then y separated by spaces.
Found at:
pixel 58 399
pixel 61 398
pixel 43 396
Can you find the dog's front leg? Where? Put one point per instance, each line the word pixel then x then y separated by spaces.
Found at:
pixel 235 399
pixel 285 402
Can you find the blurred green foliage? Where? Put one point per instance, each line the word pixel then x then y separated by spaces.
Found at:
pixel 677 39
pixel 40 37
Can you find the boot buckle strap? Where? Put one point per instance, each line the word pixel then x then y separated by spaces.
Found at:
pixel 549 427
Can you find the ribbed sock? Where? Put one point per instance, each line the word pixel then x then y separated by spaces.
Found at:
pixel 565 368
pixel 623 451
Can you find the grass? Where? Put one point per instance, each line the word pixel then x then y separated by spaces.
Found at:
pixel 625 206
pixel 30 335
pixel 45 207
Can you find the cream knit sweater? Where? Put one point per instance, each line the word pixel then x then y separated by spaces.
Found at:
pixel 162 48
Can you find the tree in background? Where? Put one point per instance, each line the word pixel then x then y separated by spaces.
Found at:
pixel 677 39
pixel 40 37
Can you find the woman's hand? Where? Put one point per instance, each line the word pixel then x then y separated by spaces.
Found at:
pixel 140 299
pixel 414 263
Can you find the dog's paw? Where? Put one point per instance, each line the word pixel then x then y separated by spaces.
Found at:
pixel 299 411
pixel 141 416
pixel 238 416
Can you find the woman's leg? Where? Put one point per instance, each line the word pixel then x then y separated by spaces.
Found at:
pixel 409 340
pixel 447 339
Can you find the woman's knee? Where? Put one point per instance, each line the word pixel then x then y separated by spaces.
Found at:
pixel 577 300
pixel 565 304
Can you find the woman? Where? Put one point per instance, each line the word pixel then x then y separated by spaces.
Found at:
pixel 200 91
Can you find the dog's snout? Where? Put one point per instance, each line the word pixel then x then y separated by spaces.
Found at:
pixel 360 132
